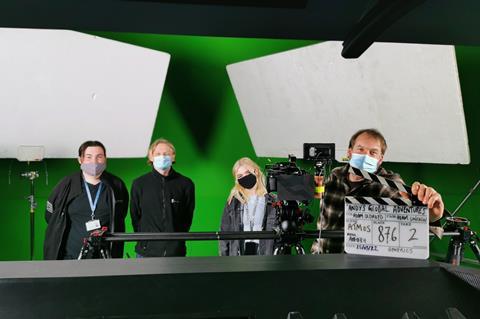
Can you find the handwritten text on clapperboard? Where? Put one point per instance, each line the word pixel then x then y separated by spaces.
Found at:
pixel 386 230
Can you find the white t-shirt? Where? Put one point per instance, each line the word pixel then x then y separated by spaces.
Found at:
pixel 253 213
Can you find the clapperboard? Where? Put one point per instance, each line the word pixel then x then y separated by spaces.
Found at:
pixel 392 227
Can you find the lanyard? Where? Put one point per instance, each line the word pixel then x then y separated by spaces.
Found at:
pixel 93 205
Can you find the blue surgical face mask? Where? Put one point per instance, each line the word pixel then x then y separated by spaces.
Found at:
pixel 365 162
pixel 162 162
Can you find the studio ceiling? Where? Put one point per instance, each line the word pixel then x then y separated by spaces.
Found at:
pixel 429 21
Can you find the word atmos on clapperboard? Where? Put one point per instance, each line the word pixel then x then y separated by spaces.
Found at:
pixel 391 227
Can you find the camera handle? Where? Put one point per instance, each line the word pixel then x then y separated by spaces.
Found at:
pixel 320 170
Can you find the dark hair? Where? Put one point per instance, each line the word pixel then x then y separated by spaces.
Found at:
pixel 371 132
pixel 83 147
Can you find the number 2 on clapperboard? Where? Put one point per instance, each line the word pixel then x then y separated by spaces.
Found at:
pixel 412 237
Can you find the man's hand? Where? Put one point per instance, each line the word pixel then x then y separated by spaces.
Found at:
pixel 429 196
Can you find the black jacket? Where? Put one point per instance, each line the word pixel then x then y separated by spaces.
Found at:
pixel 162 204
pixel 56 213
pixel 232 221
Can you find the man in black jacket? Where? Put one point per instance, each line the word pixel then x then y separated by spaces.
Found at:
pixel 162 201
pixel 82 202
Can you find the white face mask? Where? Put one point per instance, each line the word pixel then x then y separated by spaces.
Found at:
pixel 364 162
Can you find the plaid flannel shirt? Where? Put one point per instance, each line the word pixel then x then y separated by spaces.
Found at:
pixel 337 186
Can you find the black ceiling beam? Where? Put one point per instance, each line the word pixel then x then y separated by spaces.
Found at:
pixel 379 18
pixel 239 3
pixel 435 21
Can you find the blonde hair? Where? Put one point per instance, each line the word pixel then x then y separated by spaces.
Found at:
pixel 155 144
pixel 238 191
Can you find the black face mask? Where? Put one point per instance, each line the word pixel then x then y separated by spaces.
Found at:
pixel 248 181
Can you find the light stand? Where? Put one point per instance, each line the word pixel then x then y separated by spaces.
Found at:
pixel 31 176
pixel 31 153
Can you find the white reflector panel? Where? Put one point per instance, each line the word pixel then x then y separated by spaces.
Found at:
pixel 60 88
pixel 410 92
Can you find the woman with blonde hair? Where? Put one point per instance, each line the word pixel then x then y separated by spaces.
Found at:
pixel 247 209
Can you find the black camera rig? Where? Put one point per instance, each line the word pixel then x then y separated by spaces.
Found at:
pixel 291 189
pixel 456 246
pixel 95 246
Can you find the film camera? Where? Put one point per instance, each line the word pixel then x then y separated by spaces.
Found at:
pixel 290 189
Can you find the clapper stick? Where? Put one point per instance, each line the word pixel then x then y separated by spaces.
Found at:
pixel 391 183
pixel 387 182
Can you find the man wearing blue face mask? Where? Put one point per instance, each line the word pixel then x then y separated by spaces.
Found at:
pixel 365 151
pixel 162 200
pixel 83 202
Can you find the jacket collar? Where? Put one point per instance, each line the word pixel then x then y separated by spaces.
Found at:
pixel 77 185
pixel 170 176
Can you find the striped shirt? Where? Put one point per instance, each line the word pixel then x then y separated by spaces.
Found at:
pixel 337 186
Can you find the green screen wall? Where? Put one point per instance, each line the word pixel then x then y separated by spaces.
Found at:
pixel 200 115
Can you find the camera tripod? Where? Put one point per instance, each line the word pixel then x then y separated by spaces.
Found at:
pixel 461 225
pixel 456 246
pixel 291 220
pixel 288 239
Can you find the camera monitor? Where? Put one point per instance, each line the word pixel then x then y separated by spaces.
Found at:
pixel 319 151
pixel 295 187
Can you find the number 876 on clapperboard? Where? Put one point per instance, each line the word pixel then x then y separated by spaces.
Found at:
pixel 386 227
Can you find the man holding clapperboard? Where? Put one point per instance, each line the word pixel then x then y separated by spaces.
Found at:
pixel 355 180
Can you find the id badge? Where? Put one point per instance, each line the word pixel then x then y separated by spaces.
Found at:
pixel 93 225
